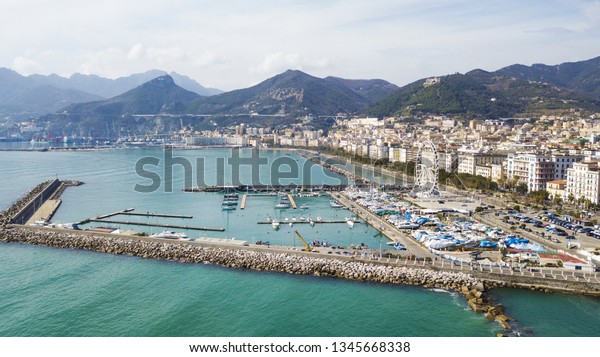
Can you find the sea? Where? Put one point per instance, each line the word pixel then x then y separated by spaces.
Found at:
pixel 60 292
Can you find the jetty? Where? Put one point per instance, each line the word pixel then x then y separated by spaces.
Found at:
pixel 291 188
pixel 131 223
pixel 315 222
pixel 243 204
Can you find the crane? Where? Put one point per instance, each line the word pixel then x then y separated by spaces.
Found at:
pixel 308 248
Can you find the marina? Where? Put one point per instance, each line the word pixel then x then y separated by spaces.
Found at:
pixel 206 209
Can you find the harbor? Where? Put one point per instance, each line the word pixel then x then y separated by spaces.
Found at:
pixel 242 233
pixel 488 273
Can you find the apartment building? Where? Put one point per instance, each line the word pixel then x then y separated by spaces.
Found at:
pixel 467 162
pixel 583 181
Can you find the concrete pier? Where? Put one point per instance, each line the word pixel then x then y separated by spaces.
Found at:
pixel 45 212
pixel 316 222
pixel 292 202
pixel 243 204
pixel 156 225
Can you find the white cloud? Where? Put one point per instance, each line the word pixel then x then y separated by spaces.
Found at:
pixel 278 62
pixel 235 43
pixel 135 52
pixel 26 66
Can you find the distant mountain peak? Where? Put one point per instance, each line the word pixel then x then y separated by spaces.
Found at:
pixel 162 81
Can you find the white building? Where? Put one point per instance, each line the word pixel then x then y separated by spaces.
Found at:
pixel 583 181
pixel 468 161
pixel 531 169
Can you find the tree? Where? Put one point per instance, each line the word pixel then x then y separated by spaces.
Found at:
pixel 539 197
pixel 522 188
pixel 557 200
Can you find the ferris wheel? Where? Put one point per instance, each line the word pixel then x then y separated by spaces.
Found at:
pixel 427 170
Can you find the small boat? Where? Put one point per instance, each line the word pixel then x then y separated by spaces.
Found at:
pixel 275 225
pixel 228 208
pixel 229 203
pixel 407 225
pixel 304 207
pixel 350 223
pixel 291 224
pixel 283 203
pixel 311 222
pixel 335 204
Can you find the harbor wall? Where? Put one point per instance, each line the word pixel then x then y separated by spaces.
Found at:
pixel 35 202
pixel 231 257
pixel 23 208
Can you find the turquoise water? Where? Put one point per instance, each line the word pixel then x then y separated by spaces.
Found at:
pixel 52 292
pixel 79 293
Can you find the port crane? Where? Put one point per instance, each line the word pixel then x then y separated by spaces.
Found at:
pixel 307 247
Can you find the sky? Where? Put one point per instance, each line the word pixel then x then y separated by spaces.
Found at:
pixel 232 44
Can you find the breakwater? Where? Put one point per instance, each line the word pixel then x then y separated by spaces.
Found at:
pixel 7 216
pixel 260 260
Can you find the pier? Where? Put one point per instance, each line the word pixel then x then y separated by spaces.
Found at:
pixel 292 188
pixel 155 225
pixel 243 204
pixel 111 214
pixel 160 215
pixel 315 222
pixel 292 202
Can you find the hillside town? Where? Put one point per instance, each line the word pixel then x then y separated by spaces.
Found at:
pixel 560 155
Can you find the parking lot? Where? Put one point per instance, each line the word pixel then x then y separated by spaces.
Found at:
pixel 564 234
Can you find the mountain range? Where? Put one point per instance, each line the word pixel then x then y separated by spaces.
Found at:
pixel 515 90
pixel 282 97
pixel 36 94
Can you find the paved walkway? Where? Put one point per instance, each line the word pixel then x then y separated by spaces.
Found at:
pixel 45 212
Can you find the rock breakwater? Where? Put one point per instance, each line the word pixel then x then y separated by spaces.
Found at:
pixel 7 215
pixel 258 260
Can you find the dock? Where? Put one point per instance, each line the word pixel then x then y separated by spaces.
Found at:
pixel 161 215
pixel 155 225
pixel 292 202
pixel 316 222
pixel 129 212
pixel 243 204
pixel 115 213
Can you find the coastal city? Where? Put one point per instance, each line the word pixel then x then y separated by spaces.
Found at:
pixel 510 201
pixel 299 177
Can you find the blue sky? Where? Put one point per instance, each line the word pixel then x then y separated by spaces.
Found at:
pixel 232 44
